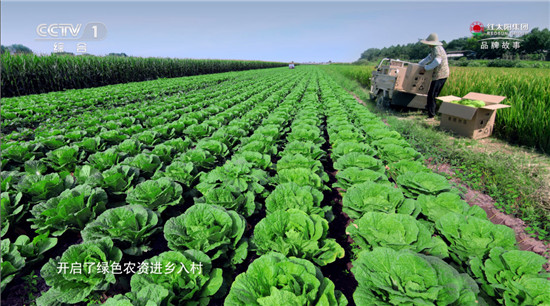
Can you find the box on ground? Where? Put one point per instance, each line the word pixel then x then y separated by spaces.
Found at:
pixel 469 121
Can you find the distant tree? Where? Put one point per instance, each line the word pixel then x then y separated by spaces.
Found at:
pixel 3 50
pixel 118 54
pixel 18 48
pixel 536 44
pixel 62 53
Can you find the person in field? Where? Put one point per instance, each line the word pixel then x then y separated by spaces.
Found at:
pixel 436 61
pixel 291 65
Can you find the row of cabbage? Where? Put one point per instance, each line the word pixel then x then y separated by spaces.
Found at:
pixel 417 242
pixel 215 225
pixel 132 171
pixel 30 110
pixel 292 238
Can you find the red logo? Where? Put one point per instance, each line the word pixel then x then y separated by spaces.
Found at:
pixel 476 28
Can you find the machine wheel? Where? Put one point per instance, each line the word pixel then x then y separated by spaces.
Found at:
pixel 372 96
pixel 382 101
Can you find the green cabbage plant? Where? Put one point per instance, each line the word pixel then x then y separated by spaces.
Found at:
pixel 71 288
pixel 292 195
pixel 389 277
pixel 471 236
pixel 295 233
pixel 130 227
pixel 414 184
pixel 514 277
pixel 274 279
pixel 211 229
pixel 186 278
pixel 71 210
pixel 156 194
pixel 396 231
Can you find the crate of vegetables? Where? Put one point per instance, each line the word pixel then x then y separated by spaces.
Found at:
pixel 472 115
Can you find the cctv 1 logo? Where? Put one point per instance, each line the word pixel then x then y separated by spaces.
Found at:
pixel 66 31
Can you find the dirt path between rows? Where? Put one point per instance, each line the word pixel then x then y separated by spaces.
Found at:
pixel 474 197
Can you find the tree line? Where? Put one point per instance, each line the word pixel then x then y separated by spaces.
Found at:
pixel 533 45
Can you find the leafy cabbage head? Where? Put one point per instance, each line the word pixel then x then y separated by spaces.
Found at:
pixel 12 262
pixel 156 194
pixel 130 227
pixel 396 231
pixel 130 147
pixel 211 229
pixel 436 207
pixel 239 174
pixel 369 196
pixel 397 168
pixel 301 161
pixel 183 173
pixel 354 175
pixel 295 233
pixel 11 209
pixel 274 279
pixel 389 277
pixel 470 236
pixel 73 288
pixel 501 274
pixel 118 179
pixel 42 187
pixel 345 147
pixel 414 184
pixel 359 160
pixel 301 177
pixel 71 210
pixel 392 153
pixel 292 195
pixel 183 283
pixel 231 198
pixel 147 163
pixel 104 160
pixel 202 159
pixel 306 148
pixel 259 160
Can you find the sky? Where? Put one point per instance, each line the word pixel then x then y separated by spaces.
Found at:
pixel 311 31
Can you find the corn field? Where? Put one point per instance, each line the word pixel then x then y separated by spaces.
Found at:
pixel 32 74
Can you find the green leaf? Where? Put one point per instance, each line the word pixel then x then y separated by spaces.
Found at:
pixel 156 194
pixel 207 228
pixel 71 210
pixel 273 278
pixel 295 233
pixel 73 288
pixel 130 227
pixel 183 285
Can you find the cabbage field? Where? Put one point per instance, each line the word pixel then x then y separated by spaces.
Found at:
pixel 261 187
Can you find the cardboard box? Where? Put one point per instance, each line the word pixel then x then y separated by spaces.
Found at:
pixel 469 121
pixel 415 81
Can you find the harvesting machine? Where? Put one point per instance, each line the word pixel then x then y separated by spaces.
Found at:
pixel 396 82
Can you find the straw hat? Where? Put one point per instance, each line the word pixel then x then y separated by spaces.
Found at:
pixel 432 40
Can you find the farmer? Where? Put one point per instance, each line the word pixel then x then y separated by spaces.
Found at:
pixel 291 65
pixel 436 61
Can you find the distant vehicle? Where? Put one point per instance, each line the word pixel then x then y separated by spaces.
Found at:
pixel 469 54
